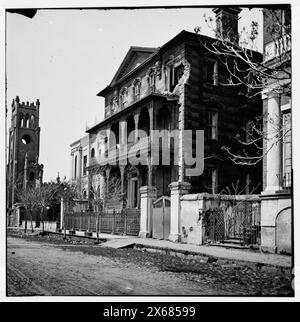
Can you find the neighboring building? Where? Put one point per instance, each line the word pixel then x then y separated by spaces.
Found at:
pixel 23 167
pixel 276 199
pixel 173 87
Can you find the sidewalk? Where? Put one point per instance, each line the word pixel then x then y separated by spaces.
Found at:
pixel 188 250
pixel 243 255
pixel 221 252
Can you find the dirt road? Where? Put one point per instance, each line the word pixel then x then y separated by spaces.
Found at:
pixel 39 268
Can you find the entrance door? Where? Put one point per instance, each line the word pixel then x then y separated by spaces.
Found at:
pixel 133 193
pixel 161 218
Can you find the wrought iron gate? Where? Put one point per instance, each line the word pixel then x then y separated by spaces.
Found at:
pixel 243 222
pixel 240 222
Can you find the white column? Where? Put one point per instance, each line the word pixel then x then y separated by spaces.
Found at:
pixel 178 189
pixel 273 144
pixel 147 194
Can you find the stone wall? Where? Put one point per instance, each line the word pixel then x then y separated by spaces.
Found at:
pixel 276 226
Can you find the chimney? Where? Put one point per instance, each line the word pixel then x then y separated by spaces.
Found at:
pixel 227 23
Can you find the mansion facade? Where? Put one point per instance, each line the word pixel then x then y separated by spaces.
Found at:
pixel 175 87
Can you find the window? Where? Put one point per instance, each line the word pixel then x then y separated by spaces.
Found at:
pixel 212 72
pixel 84 164
pixel 75 167
pixel 92 153
pixel 27 120
pixel 26 139
pixel 21 120
pixel 151 81
pixel 137 89
pixel 246 131
pixel 133 192
pixel 174 75
pixel 31 176
pixel 247 183
pixel 123 97
pixel 32 121
pixel 212 131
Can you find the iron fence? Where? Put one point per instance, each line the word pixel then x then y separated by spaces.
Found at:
pixel 120 222
pixel 285 180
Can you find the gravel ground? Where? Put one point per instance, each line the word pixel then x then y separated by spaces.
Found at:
pixel 50 265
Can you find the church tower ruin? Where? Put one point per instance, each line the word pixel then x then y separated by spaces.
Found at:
pixel 23 167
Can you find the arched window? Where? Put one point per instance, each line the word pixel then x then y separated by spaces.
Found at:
pixel 137 88
pixel 92 153
pixel 27 120
pixel 151 80
pixel 21 120
pixel 32 121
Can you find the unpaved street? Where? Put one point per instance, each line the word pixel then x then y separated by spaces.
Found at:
pixel 40 268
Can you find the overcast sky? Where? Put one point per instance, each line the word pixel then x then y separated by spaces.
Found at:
pixel 65 57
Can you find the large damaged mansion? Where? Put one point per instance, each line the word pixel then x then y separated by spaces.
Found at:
pixel 158 162
pixel 178 87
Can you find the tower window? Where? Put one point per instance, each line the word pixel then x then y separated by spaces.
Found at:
pixel 27 120
pixel 32 121
pixel 26 139
pixel 21 120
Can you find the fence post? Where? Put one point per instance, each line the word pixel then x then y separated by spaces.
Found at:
pixel 125 221
pixel 114 219
pixel 89 220
pixel 80 220
pixel 100 220
pixel 97 225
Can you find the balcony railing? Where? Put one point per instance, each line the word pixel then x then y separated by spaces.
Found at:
pixel 285 180
pixel 277 47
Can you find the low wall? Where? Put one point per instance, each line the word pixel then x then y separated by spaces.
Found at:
pixel 193 230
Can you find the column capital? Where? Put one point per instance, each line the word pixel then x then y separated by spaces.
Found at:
pixel 148 191
pixel 181 187
pixel 270 93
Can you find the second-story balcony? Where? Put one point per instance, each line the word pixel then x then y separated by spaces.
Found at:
pixel 285 180
pixel 277 48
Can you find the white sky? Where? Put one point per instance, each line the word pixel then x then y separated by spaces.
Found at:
pixel 65 57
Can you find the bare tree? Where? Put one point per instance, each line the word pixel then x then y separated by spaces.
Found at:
pixel 28 198
pixel 45 198
pixel 249 73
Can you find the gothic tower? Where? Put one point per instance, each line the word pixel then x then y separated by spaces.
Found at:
pixel 23 155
